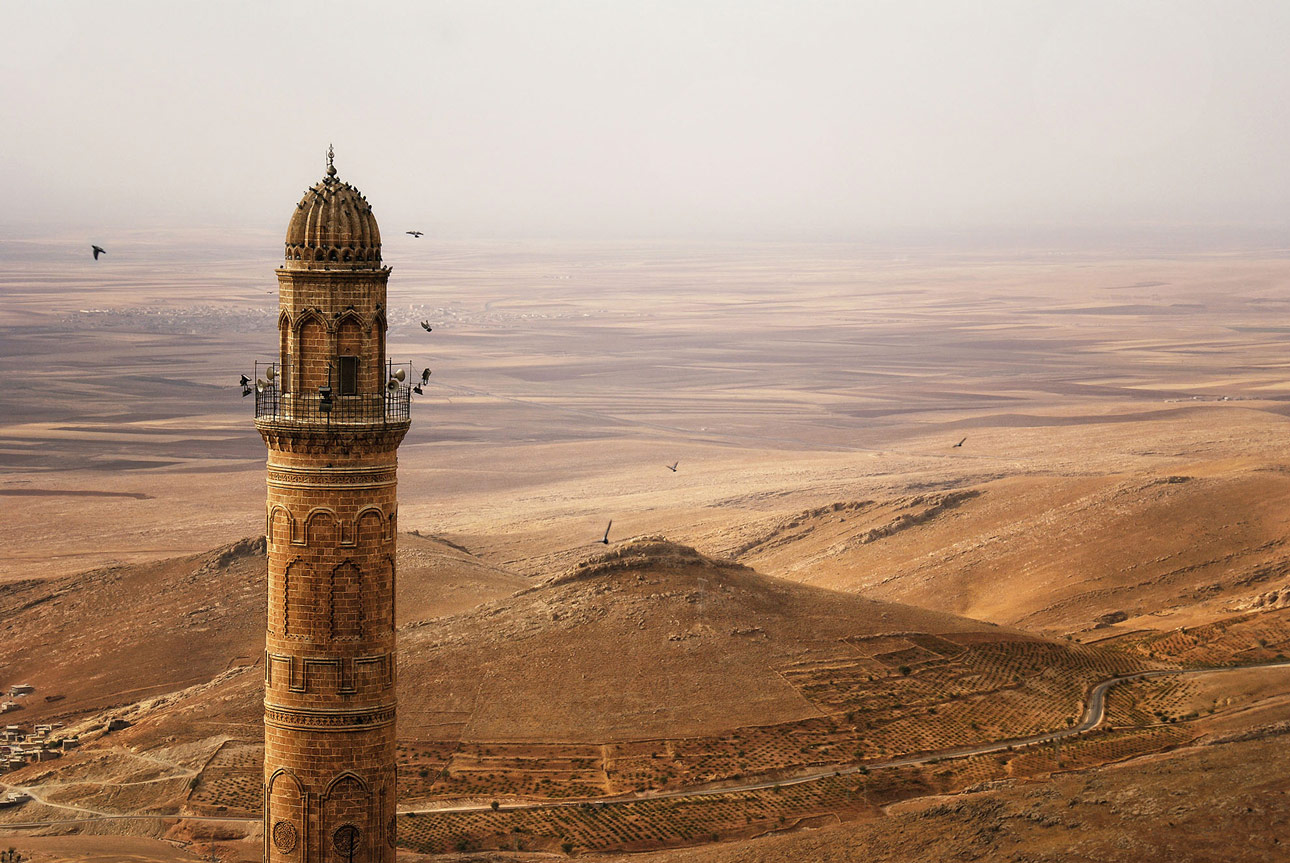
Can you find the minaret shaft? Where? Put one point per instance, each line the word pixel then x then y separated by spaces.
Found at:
pixel 330 669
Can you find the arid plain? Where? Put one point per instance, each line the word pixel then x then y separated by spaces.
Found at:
pixel 826 585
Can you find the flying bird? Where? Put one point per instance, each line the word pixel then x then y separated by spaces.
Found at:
pixel 98 250
pixel 425 325
pixel 960 443
pixel 417 389
pixel 425 376
pixel 245 381
pixel 672 466
pixel 606 539
pixel 416 234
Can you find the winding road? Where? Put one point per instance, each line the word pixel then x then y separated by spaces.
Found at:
pixel 1094 714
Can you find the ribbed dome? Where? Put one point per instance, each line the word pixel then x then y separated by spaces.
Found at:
pixel 333 227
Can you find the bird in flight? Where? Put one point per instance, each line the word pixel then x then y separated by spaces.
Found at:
pixel 425 376
pixel 98 250
pixel 416 234
pixel 245 381
pixel 672 466
pixel 960 443
pixel 425 325
pixel 606 539
pixel 417 389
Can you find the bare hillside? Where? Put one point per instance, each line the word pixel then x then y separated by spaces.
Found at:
pixel 651 639
pixel 115 636
pixel 1051 553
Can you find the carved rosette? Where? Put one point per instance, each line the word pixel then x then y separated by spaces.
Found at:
pixel 284 836
pixel 345 839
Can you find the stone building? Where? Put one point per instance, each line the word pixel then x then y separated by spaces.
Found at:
pixel 332 411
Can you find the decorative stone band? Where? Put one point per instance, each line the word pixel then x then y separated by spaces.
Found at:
pixel 316 439
pixel 323 674
pixel 298 718
pixel 331 477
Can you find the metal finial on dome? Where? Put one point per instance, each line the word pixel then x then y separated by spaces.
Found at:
pixel 331 165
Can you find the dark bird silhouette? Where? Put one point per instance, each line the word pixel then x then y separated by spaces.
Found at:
pixel 245 381
pixel 246 391
pixel 960 443
pixel 672 466
pixel 425 325
pixel 417 389
pixel 416 234
pixel 606 539
pixel 98 250
pixel 425 376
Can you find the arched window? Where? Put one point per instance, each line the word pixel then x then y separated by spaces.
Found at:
pixel 346 605
pixel 284 352
pixel 286 807
pixel 349 348
pixel 346 808
pixel 294 605
pixel 278 531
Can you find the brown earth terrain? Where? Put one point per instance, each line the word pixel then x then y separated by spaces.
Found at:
pixel 826 584
pixel 1150 808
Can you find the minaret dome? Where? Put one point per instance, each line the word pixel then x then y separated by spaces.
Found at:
pixel 333 228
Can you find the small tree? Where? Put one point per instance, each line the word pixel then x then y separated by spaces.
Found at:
pixel 495 805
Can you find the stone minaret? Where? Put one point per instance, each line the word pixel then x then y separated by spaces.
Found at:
pixel 332 412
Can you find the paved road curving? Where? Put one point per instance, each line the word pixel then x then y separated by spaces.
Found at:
pixel 1094 713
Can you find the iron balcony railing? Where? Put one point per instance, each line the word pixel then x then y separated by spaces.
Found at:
pixel 361 409
pixel 325 407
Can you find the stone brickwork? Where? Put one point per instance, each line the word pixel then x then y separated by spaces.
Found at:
pixel 330 523
pixel 324 315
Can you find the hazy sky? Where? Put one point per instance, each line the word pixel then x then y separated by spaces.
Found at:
pixel 619 119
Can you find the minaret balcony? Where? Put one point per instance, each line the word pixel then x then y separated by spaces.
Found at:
pixel 330 409
pixel 329 405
